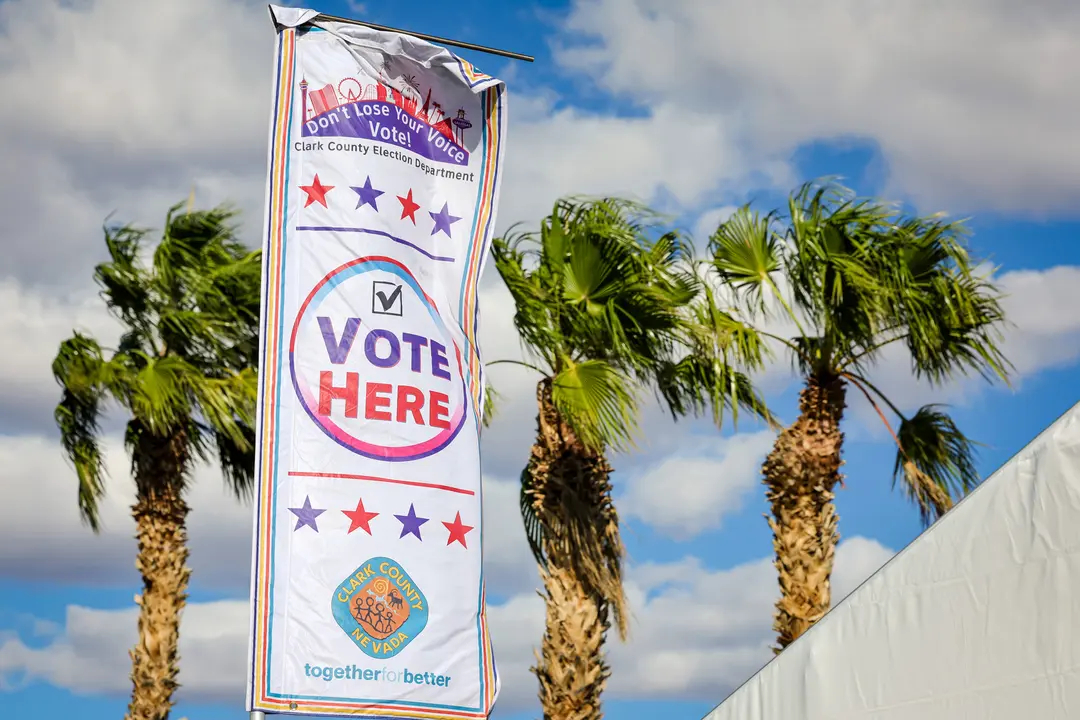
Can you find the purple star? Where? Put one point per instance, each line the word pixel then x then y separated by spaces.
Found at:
pixel 368 195
pixel 442 219
pixel 410 524
pixel 306 515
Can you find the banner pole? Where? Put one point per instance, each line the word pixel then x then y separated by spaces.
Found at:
pixel 430 38
pixel 257 715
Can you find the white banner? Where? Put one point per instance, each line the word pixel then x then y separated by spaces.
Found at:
pixel 367 585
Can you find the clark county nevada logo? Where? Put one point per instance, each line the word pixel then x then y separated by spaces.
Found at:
pixel 383 113
pixel 380 608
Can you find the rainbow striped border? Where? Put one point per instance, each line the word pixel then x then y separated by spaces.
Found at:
pixel 493 141
pixel 472 76
pixel 271 355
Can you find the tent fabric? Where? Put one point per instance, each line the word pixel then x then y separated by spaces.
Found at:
pixel 977 619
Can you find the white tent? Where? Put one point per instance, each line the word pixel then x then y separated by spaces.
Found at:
pixel 977 619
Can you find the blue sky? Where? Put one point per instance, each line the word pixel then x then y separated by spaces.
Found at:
pixel 611 104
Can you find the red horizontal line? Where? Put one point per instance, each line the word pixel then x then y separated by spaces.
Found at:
pixel 372 478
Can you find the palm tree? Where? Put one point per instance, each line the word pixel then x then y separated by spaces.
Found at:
pixel 853 277
pixel 183 371
pixel 599 308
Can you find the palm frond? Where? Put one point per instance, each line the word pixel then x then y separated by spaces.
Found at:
pixel 745 254
pixel 487 413
pixel 184 365
pixel 125 284
pixel 697 384
pixel 715 331
pixel 598 403
pixel 535 306
pixel 830 270
pixel 864 277
pixel 953 327
pixel 534 528
pixel 160 396
pixel 226 403
pixel 553 241
pixel 237 460
pixel 935 461
pixel 190 242
pixel 598 282
pixel 587 274
pixel 77 369
pixel 570 521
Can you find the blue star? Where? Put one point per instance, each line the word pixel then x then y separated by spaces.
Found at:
pixel 306 515
pixel 410 524
pixel 442 219
pixel 368 195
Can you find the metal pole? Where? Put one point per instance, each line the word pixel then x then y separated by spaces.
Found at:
pixel 257 715
pixel 432 38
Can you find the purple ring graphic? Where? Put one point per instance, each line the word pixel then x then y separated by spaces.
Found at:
pixel 309 401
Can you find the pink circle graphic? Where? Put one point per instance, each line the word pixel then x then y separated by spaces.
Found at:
pixel 309 396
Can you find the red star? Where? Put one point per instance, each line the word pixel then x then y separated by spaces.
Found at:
pixel 316 192
pixel 457 530
pixel 360 517
pixel 408 207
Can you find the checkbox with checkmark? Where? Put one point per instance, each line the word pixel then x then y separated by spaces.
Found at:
pixel 386 298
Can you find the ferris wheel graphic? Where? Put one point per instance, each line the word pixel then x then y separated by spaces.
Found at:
pixel 350 89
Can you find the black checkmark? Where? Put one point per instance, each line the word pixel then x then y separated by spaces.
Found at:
pixel 386 301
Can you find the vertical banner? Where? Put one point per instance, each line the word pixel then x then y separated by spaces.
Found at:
pixel 367 583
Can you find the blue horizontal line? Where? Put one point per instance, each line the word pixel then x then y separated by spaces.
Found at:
pixel 422 251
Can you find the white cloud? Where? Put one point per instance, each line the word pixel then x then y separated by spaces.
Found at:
pixel 34 323
pixel 1044 307
pixel 175 113
pixel 559 151
pixel 506 442
pixel 91 655
pixel 697 633
pixel 706 630
pixel 146 111
pixel 708 221
pixel 970 101
pixel 42 537
pixel 692 490
pixel 508 563
pixel 516 629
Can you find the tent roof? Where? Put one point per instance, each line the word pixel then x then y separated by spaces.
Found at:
pixel 977 619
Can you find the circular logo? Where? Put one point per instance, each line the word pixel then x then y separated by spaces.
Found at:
pixel 374 365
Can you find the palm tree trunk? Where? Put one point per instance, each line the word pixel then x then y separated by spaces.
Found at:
pixel 569 490
pixel 799 475
pixel 570 665
pixel 160 515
